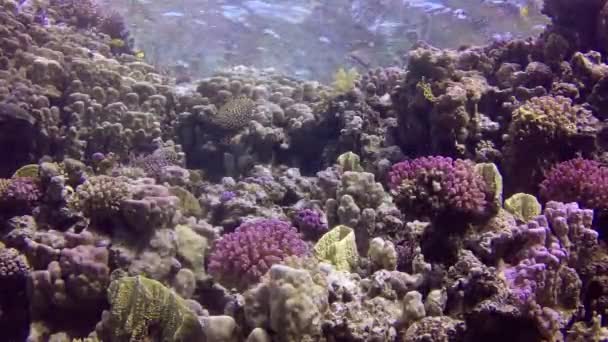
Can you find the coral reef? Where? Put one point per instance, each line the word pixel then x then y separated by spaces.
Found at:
pixel 252 206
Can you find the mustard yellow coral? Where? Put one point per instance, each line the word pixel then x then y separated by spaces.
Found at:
pixel 140 306
pixel 523 206
pixel 30 170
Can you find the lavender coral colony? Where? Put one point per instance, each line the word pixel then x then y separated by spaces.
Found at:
pixel 461 198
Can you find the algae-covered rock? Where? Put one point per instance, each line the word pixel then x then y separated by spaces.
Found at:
pixel 338 247
pixel 187 202
pixel 523 206
pixel 191 249
pixel 382 254
pixel 289 303
pixel 140 307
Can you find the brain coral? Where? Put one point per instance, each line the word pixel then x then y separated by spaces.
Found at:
pixel 235 114
pixel 429 185
pixel 242 257
pixel 577 180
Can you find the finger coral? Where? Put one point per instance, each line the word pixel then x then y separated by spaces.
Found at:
pixel 428 185
pixel 242 257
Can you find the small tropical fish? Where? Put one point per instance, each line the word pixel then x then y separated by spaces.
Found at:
pixel 117 43
pixel 139 54
pixel 524 11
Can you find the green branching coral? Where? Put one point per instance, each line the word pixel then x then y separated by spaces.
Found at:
pixel 344 81
pixel 425 88
pixel 141 307
pixel 234 114
pixel 549 118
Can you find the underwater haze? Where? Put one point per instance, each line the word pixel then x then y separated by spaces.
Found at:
pixel 311 38
pixel 303 171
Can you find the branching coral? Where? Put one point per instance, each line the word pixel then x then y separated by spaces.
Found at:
pixel 242 257
pixel 14 268
pixel 310 222
pixel 429 185
pixel 344 81
pixel 100 197
pixel 578 180
pixel 23 191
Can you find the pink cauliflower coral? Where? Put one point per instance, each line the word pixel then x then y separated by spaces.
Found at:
pixel 242 257
pixel 428 186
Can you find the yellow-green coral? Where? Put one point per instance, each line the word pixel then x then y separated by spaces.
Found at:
pixel 549 117
pixel 350 161
pixel 523 206
pixel 344 81
pixel 140 306
pixel 4 183
pixel 426 89
pixel 339 248
pixel 187 202
pixel 492 177
pixel 30 170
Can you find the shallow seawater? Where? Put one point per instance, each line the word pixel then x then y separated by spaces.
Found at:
pixel 312 39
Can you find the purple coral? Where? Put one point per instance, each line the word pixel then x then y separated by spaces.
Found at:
pixel 23 191
pixel 242 257
pixel 227 196
pixel 577 180
pixel 310 222
pixel 549 244
pixel 429 185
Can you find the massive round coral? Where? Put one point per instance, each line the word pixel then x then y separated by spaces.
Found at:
pixel 428 186
pixel 577 180
pixel 242 257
